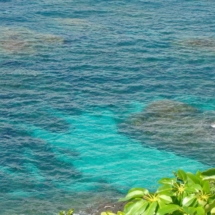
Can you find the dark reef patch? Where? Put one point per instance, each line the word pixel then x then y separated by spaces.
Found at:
pixel 176 127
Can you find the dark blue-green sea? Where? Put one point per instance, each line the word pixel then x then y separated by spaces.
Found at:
pixel 72 74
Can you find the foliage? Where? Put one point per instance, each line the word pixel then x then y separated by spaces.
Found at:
pixel 184 194
pixel 110 213
pixel 69 212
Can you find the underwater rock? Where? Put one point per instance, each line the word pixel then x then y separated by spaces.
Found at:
pixel 203 43
pixel 24 41
pixel 78 25
pixel 49 38
pixel 73 21
pixel 14 46
pixel 168 108
pixel 173 126
pixel 21 72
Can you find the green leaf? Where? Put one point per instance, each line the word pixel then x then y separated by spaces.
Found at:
pixel 151 209
pixel 194 178
pixel 206 186
pixel 161 203
pixel 132 208
pixel 143 208
pixel 165 189
pixel 213 211
pixel 107 213
pixel 210 206
pixel 120 213
pixel 134 193
pixel 199 211
pixel 193 188
pixel 208 174
pixel 169 181
pixel 194 210
pixel 202 203
pixel 168 209
pixel 189 200
pixel 166 199
pixel 182 175
pixel 128 207
pixel 199 175
pixel 70 212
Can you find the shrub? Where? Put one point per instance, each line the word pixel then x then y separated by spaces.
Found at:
pixel 184 194
pixel 69 212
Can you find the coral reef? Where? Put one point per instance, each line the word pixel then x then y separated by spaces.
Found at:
pixel 197 43
pixel 173 126
pixel 16 40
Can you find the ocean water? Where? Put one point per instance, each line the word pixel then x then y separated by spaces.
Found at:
pixel 72 72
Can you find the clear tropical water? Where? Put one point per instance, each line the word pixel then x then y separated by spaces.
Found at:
pixel 72 71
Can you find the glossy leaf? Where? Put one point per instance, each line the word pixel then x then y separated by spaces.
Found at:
pixel 213 211
pixel 143 208
pixel 134 207
pixel 128 207
pixel 194 210
pixel 70 212
pixel 120 213
pixel 189 200
pixel 206 186
pixel 165 189
pixel 208 174
pixel 194 178
pixel 169 181
pixel 210 206
pixel 182 175
pixel 166 199
pixel 161 203
pixel 151 209
pixel 200 211
pixel 168 209
pixel 194 188
pixel 107 213
pixel 135 193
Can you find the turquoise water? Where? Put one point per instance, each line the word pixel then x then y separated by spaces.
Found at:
pixel 73 71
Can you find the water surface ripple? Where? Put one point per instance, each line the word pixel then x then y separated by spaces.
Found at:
pixel 73 72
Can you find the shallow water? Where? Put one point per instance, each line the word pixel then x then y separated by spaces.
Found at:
pixel 72 72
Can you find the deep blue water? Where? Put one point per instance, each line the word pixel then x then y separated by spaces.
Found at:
pixel 72 71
